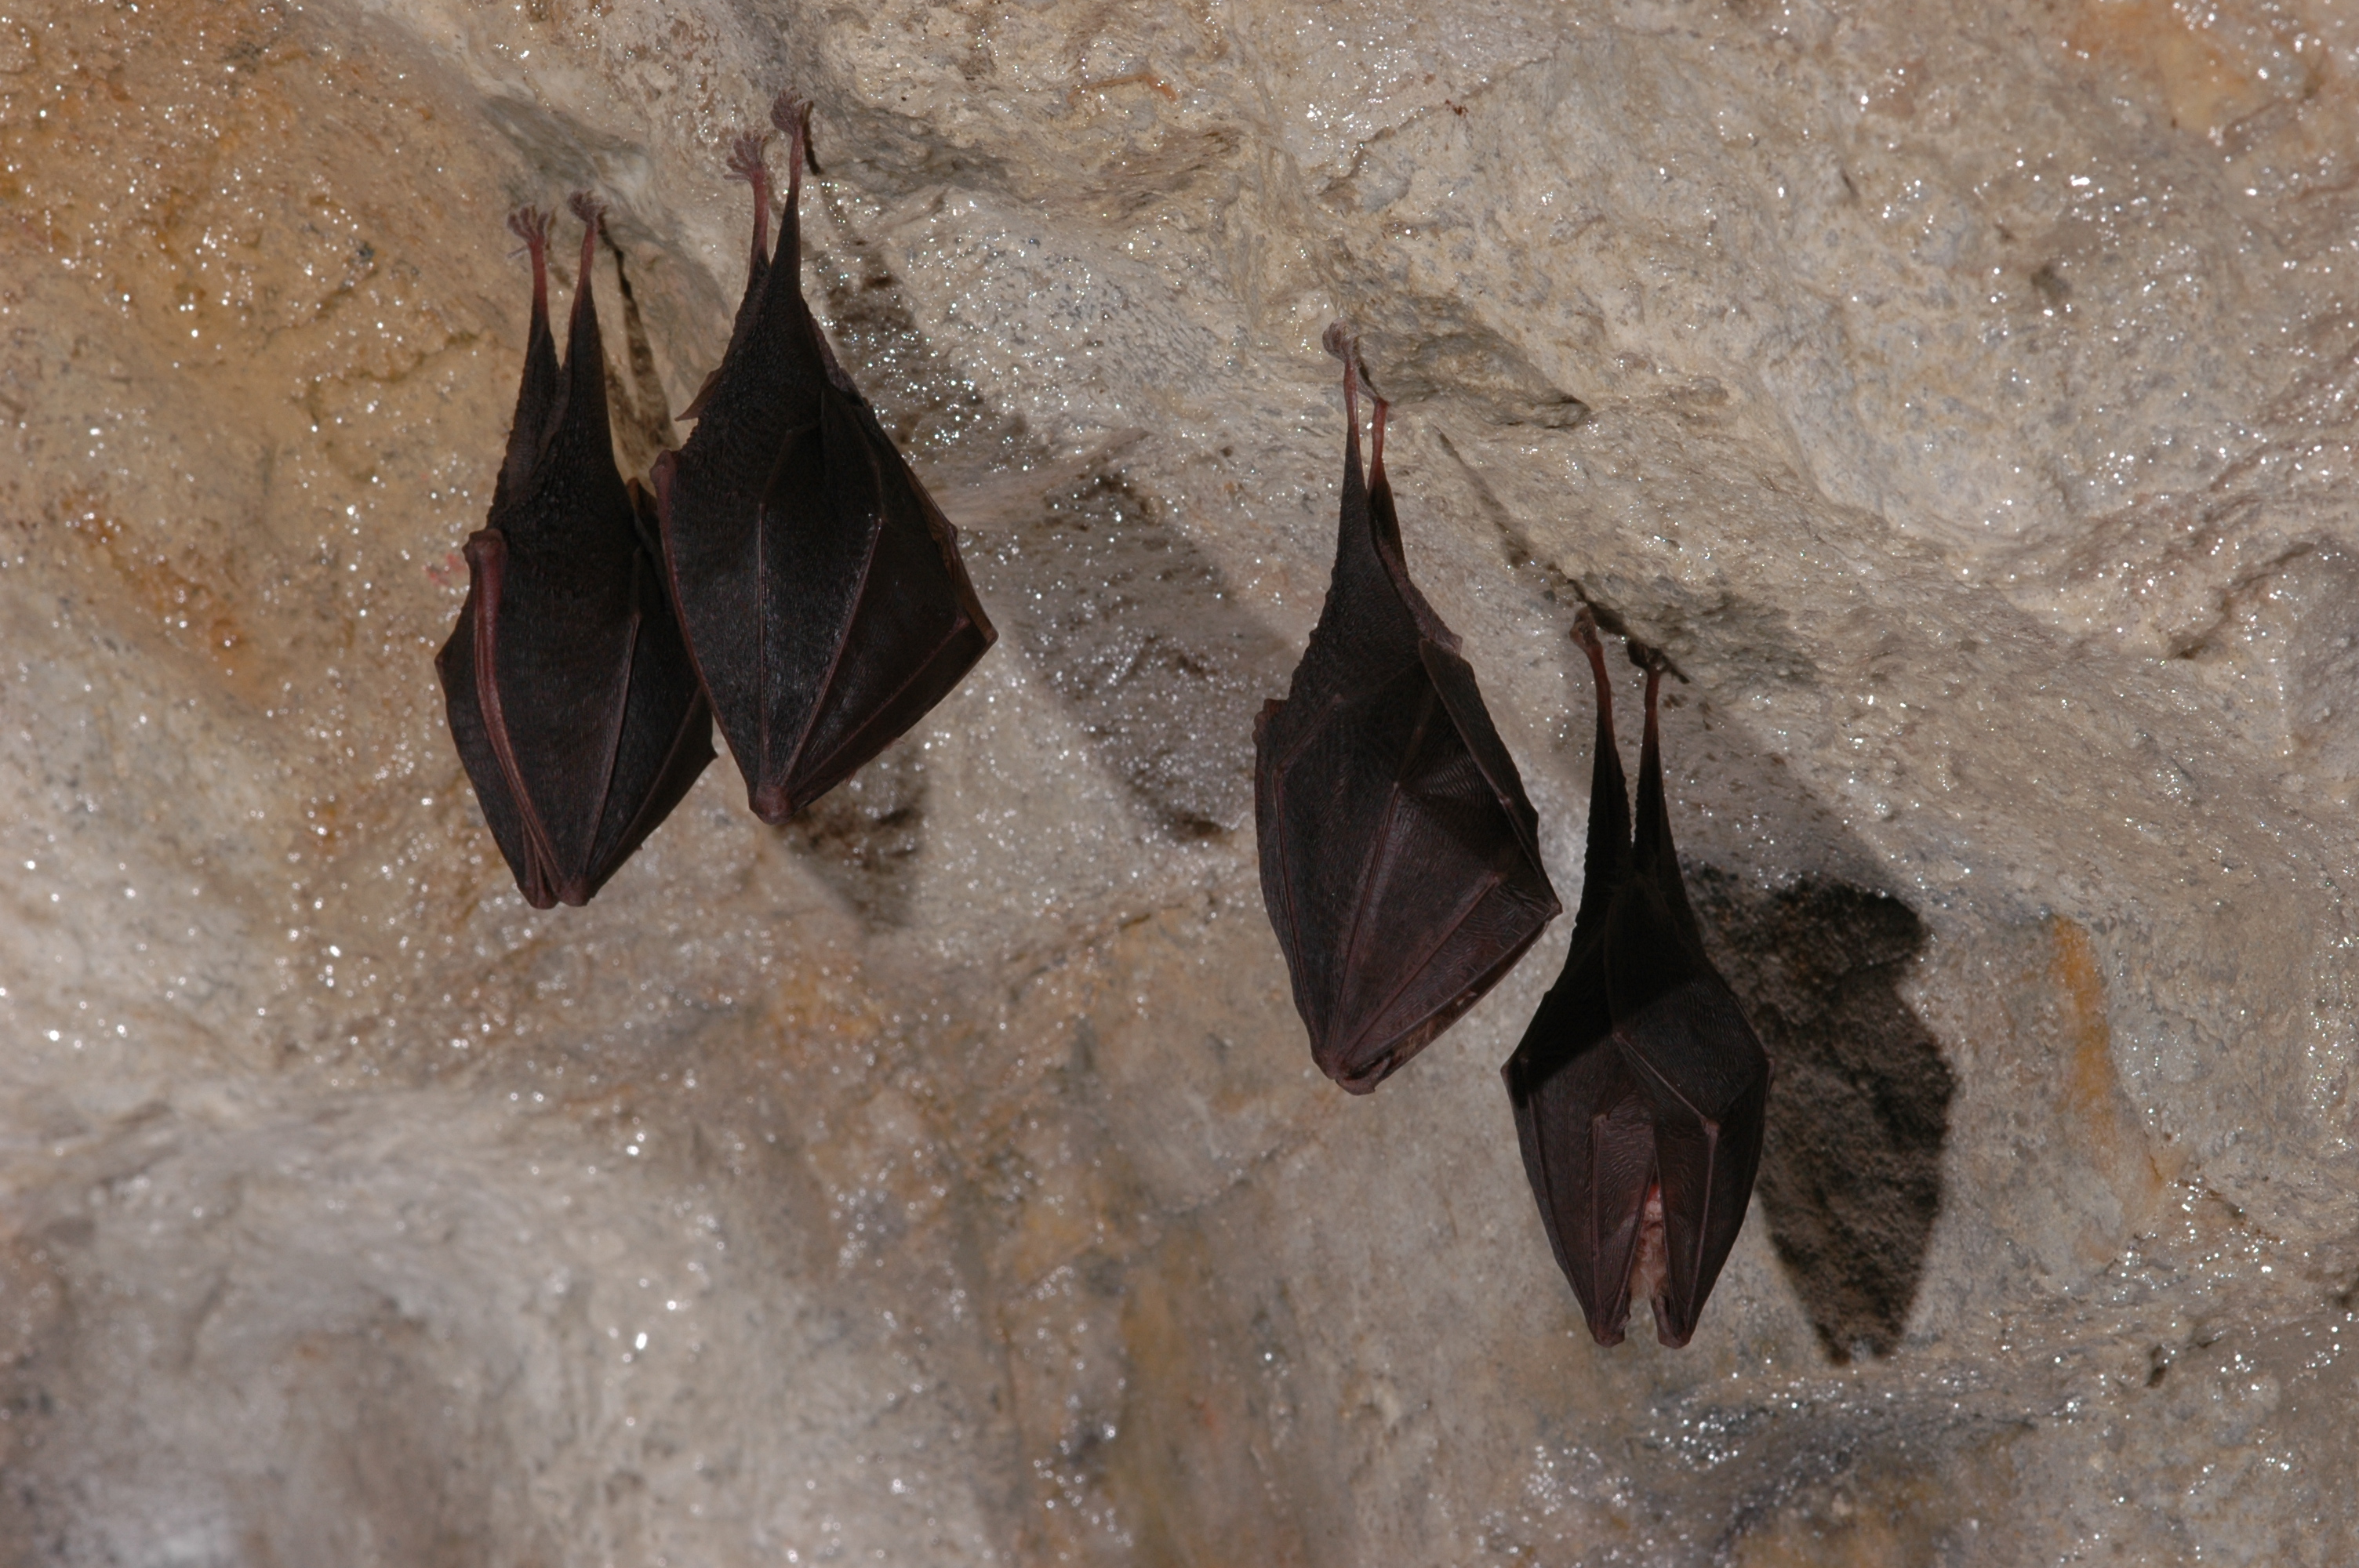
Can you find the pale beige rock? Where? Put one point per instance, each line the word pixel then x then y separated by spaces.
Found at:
pixel 1962 394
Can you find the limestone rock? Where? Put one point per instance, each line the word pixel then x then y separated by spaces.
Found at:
pixel 1963 396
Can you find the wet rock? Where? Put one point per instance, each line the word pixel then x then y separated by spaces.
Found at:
pixel 1961 395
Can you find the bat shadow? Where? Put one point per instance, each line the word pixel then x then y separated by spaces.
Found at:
pixel 1859 1112
pixel 1120 614
pixel 1850 1178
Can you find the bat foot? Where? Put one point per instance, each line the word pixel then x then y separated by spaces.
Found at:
pixel 1338 341
pixel 746 155
pixel 587 207
pixel 792 115
pixel 529 224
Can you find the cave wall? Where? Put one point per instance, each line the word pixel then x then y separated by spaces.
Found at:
pixel 1961 395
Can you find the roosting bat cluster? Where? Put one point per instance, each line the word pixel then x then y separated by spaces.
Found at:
pixel 1401 862
pixel 786 573
pixel 783 571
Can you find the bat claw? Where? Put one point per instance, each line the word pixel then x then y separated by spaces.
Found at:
pixel 792 115
pixel 529 224
pixel 587 207
pixel 1344 344
pixel 747 154
pixel 1653 660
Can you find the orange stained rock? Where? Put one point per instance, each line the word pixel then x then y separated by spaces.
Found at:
pixel 2094 1093
pixel 2208 68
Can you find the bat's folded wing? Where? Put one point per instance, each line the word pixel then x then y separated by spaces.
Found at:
pixel 878 618
pixel 665 740
pixel 1400 880
pixel 1707 1079
pixel 575 710
pixel 1587 1131
pixel 472 735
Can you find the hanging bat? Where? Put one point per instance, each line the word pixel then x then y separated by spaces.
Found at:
pixel 819 585
pixel 1639 1090
pixel 1399 858
pixel 572 698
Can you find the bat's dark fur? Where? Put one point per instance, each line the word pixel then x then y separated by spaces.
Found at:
pixel 819 586
pixel 572 698
pixel 1399 858
pixel 1640 1089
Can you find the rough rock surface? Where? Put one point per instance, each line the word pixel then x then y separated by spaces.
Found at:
pixel 1964 395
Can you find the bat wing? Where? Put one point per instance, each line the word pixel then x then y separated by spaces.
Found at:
pixel 1587 1131
pixel 1584 1121
pixel 1399 855
pixel 455 665
pixel 819 585
pixel 666 739
pixel 870 619
pixel 1706 1080
pixel 1399 885
pixel 572 699
pixel 1683 1036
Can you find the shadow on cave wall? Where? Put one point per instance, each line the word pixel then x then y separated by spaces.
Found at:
pixel 1859 1110
pixel 1137 630
pixel 1134 630
pixel 1851 1173
pixel 1112 606
pixel 1116 610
